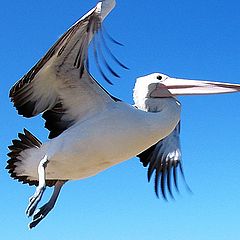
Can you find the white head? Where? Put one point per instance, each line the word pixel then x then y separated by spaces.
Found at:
pixel 158 85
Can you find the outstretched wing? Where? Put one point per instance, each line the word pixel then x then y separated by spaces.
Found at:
pixel 164 158
pixel 59 85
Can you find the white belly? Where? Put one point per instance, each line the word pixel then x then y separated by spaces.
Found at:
pixel 91 147
pixel 101 142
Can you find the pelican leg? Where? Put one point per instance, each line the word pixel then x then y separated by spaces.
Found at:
pixel 34 200
pixel 45 209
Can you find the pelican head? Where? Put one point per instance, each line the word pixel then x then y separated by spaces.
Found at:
pixel 158 85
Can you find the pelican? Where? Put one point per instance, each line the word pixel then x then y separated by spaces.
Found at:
pixel 90 130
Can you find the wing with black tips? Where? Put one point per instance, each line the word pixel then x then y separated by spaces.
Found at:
pixel 164 159
pixel 59 85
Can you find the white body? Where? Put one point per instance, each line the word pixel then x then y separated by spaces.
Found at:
pixel 112 136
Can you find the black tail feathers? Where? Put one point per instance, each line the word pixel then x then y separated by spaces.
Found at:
pixel 26 140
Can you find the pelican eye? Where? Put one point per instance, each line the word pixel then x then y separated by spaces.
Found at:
pixel 159 77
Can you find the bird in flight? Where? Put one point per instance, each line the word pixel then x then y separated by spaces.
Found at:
pixel 91 130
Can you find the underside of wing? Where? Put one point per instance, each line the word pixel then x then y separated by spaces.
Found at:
pixel 164 158
pixel 55 122
pixel 59 85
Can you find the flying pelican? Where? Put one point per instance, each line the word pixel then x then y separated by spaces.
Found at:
pixel 90 130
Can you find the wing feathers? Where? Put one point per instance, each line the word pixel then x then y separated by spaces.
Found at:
pixel 53 85
pixel 31 88
pixel 55 122
pixel 164 158
pixel 59 85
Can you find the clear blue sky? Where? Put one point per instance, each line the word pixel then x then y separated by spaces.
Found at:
pixel 191 39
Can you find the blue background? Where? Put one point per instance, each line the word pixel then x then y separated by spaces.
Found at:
pixel 190 39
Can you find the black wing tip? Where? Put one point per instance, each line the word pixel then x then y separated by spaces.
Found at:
pixel 166 172
pixel 169 180
pixel 98 48
pixel 184 179
pixel 25 109
pixel 124 66
pixel 163 185
pixel 104 31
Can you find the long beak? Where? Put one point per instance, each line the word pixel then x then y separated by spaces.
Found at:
pixel 177 86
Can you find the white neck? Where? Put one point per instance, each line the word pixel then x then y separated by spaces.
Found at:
pixel 163 114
